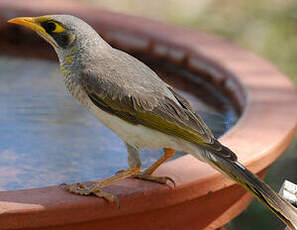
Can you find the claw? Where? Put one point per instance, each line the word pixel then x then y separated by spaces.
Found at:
pixel 82 189
pixel 161 180
pixel 80 185
pixel 96 189
pixel 171 180
pixel 109 197
pixel 78 188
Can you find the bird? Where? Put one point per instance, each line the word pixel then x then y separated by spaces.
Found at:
pixel 145 112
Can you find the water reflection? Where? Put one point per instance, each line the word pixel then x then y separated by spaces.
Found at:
pixel 47 138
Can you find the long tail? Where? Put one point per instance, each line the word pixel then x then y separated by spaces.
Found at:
pixel 258 188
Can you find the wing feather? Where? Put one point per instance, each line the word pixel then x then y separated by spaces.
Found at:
pixel 153 104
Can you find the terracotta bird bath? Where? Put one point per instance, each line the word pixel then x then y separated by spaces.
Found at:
pixel 264 99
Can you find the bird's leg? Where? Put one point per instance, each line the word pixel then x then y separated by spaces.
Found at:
pixel 96 188
pixel 147 174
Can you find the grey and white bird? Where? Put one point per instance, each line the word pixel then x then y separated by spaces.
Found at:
pixel 145 112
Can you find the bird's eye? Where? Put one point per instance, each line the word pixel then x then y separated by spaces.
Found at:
pixel 50 27
pixel 53 27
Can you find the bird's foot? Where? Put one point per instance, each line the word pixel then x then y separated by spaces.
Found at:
pixel 161 180
pixel 95 189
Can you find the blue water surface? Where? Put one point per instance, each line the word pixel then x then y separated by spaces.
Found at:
pixel 47 138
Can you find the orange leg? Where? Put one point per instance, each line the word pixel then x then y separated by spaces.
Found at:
pixel 96 189
pixel 147 174
pixel 167 154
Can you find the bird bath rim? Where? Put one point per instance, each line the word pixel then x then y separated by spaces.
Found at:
pixel 255 85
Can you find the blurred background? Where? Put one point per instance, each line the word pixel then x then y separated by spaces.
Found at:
pixel 267 27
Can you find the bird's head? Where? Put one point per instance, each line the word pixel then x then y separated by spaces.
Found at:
pixel 65 33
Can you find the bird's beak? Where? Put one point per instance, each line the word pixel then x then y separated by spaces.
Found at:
pixel 34 25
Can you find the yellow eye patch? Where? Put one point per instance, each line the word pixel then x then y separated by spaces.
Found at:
pixel 52 27
pixel 58 29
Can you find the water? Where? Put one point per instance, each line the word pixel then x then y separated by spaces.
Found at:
pixel 47 138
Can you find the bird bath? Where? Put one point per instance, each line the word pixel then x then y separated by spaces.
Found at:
pixel 47 138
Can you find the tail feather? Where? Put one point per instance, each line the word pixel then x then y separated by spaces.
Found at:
pixel 258 188
pixel 279 206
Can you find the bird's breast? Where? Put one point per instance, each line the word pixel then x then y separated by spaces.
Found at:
pixel 76 90
pixel 136 135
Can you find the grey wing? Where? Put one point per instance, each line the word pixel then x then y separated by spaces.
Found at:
pixel 139 96
pixel 132 101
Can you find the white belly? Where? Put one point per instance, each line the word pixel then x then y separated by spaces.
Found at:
pixel 136 135
pixel 143 137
